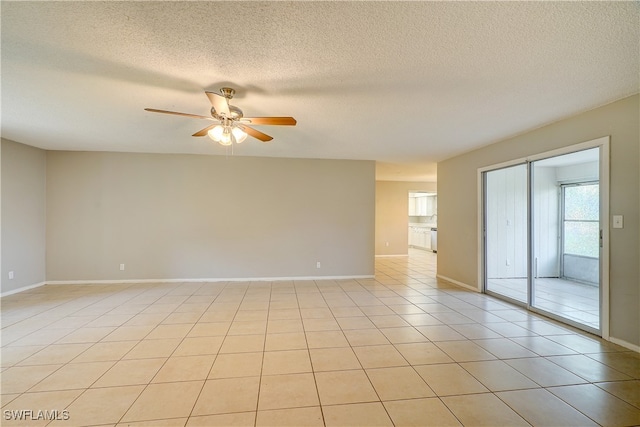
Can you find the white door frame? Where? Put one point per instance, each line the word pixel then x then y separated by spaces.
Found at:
pixel 603 145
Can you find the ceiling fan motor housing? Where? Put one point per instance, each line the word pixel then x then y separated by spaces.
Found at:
pixel 236 113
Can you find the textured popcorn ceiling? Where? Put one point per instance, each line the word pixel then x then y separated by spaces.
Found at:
pixel 405 84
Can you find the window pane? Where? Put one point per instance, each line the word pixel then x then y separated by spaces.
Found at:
pixel 581 202
pixel 582 238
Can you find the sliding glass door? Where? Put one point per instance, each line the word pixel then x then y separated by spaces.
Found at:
pixel 566 231
pixel 506 232
pixel 542 236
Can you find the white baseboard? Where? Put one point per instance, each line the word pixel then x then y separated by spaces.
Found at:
pixel 206 279
pixel 22 289
pixel 457 283
pixel 625 344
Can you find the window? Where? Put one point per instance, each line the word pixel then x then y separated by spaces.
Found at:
pixel 581 217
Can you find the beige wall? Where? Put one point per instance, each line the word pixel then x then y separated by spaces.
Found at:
pixel 392 215
pixel 23 215
pixel 193 217
pixel 458 198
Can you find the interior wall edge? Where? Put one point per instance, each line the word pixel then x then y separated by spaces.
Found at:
pixel 23 215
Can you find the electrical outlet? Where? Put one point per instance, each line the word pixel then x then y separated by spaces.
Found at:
pixel 121 267
pixel 318 264
pixel 387 244
pixel 11 275
pixel 508 262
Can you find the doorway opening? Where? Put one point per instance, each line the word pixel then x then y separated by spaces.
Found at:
pixel 423 220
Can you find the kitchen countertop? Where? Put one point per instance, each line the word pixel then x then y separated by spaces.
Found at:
pixel 423 225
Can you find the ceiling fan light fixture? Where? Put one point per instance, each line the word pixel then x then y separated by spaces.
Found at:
pixel 225 139
pixel 239 134
pixel 227 134
pixel 216 133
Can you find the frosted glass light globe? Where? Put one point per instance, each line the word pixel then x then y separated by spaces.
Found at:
pixel 216 133
pixel 239 135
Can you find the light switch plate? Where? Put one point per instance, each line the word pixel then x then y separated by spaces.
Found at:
pixel 618 221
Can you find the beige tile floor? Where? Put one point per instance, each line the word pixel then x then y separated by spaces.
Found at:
pixel 403 349
pixel 569 299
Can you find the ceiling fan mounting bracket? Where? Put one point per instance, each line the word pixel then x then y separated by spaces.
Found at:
pixel 227 92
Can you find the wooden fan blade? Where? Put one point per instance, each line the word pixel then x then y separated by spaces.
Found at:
pixel 220 103
pixel 204 131
pixel 153 110
pixel 256 133
pixel 279 121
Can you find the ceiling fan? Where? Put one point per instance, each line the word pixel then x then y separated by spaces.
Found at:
pixel 231 125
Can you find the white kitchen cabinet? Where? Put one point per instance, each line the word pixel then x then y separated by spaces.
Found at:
pixel 416 237
pixel 423 204
pixel 433 205
pixel 420 237
pixel 429 207
pixel 425 238
pixel 412 206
